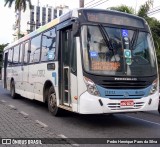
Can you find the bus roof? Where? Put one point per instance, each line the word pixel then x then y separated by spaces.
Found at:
pixel 54 22
pixel 71 14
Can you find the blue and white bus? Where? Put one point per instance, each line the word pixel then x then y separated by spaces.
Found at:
pixel 87 61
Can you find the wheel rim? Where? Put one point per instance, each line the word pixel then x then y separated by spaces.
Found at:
pixel 52 102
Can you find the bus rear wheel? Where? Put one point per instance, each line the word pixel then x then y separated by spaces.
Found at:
pixel 52 103
pixel 13 93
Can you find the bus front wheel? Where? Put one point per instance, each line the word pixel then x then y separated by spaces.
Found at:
pixel 52 103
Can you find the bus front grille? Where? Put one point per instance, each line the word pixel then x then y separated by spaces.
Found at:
pixel 124 84
pixel 116 106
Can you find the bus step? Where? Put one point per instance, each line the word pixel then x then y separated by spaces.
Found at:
pixel 65 107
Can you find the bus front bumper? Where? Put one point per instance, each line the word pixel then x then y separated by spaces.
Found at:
pixel 90 104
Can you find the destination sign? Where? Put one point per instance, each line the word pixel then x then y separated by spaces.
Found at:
pixel 105 66
pixel 113 18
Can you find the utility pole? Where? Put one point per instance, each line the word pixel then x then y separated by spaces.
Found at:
pixel 81 3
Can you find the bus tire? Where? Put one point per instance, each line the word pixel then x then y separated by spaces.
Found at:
pixel 14 95
pixel 52 103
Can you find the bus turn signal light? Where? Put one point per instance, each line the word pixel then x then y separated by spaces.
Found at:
pixel 76 97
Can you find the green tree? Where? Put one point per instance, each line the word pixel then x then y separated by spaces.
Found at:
pixel 123 8
pixel 19 4
pixel 2 46
pixel 145 8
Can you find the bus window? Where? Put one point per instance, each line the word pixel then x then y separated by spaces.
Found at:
pixel 16 55
pixel 73 62
pixel 35 49
pixel 66 48
pixel 48 45
pixel 26 52
pixel 10 57
pixel 20 53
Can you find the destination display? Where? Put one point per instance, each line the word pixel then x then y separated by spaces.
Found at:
pixel 105 66
pixel 112 18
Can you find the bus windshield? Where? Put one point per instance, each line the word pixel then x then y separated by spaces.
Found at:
pixel 119 52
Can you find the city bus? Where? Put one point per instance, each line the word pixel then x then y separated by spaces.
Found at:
pixel 88 61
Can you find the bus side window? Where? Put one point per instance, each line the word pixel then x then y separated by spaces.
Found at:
pixel 25 59
pixel 10 57
pixel 16 55
pixel 73 61
pixel 48 45
pixel 20 53
pixel 35 49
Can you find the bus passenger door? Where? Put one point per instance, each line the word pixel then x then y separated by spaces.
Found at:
pixel 5 69
pixel 68 81
pixel 24 68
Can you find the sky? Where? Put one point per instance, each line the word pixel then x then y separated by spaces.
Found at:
pixel 7 15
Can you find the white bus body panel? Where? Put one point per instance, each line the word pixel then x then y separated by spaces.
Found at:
pixel 17 76
pixel 29 80
pixel 81 85
pixel 9 75
pixel 74 92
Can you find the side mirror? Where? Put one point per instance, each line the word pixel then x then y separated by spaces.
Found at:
pixel 76 29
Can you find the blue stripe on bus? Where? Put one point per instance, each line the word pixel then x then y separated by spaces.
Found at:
pixel 54 75
pixel 123 93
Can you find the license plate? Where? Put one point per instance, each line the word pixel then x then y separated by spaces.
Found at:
pixel 128 103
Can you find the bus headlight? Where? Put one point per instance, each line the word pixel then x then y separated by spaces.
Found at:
pixel 91 87
pixel 154 87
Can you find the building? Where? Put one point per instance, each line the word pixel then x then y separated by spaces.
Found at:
pixel 38 16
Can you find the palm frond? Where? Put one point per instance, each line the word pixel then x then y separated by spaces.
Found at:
pixel 9 2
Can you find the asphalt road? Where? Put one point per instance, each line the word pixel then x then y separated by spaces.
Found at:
pixel 128 125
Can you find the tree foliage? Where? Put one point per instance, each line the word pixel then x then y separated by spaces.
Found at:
pixel 145 8
pixel 2 46
pixel 123 8
pixel 19 4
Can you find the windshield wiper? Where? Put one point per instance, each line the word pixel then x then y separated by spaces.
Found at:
pixel 106 39
pixel 134 39
pixel 105 36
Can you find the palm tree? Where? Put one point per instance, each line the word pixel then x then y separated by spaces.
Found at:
pixel 19 6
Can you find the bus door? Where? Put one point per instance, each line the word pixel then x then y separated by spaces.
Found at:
pixel 24 68
pixel 68 82
pixel 5 69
